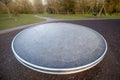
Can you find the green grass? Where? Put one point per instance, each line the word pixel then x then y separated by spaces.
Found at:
pixel 111 17
pixel 3 16
pixel 77 16
pixel 22 19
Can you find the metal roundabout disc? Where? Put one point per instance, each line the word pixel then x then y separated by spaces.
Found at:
pixel 59 48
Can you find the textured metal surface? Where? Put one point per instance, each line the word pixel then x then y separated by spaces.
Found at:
pixel 59 48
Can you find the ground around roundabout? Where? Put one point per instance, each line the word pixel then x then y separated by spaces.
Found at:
pixel 47 20
pixel 108 69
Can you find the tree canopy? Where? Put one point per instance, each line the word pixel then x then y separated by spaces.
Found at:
pixel 60 6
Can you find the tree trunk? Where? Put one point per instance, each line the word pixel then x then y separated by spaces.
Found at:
pixel 102 8
pixel 100 12
pixel 83 7
pixel 90 10
pixel 8 11
pixel 105 11
pixel 68 12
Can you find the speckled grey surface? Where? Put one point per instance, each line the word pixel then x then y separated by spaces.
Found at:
pixel 59 45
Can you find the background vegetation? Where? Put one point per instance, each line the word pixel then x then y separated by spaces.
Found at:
pixel 19 12
pixel 95 7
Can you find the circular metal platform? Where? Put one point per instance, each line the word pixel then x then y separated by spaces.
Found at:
pixel 59 48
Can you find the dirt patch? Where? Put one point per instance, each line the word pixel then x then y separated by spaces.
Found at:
pixel 108 69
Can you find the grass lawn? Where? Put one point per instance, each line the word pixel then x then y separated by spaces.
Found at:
pixel 22 19
pixel 77 16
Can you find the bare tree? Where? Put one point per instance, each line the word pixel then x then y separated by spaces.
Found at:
pixel 68 6
pixel 26 6
pixel 39 8
pixel 6 3
pixel 53 6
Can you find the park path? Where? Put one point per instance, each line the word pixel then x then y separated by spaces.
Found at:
pixel 47 18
